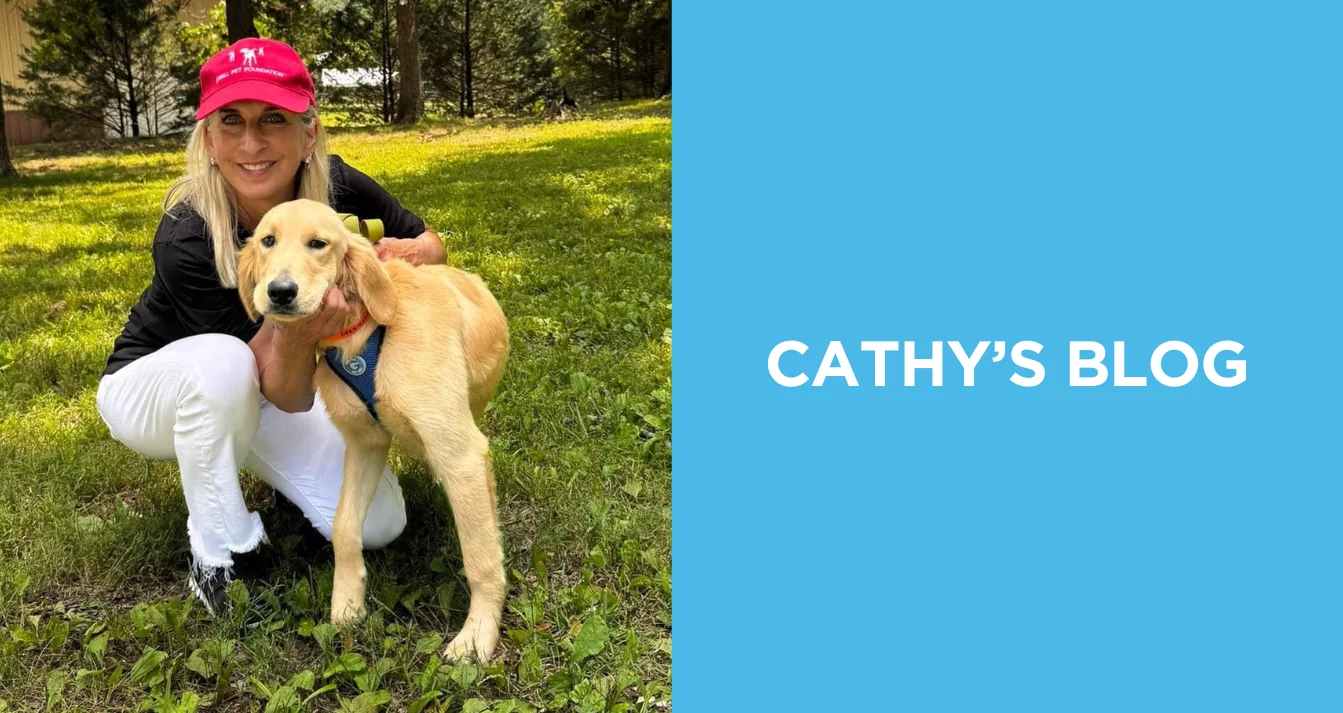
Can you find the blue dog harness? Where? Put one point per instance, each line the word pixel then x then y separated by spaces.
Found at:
pixel 358 371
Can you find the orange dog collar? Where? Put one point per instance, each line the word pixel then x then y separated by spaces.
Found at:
pixel 348 331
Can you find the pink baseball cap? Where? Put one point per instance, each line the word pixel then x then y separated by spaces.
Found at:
pixel 255 69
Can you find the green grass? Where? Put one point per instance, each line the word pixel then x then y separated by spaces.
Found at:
pixel 570 225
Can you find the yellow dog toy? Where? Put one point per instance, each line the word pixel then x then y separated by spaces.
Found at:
pixel 371 229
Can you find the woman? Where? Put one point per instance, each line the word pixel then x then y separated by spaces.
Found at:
pixel 191 378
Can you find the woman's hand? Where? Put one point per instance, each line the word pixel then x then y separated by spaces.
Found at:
pixel 424 249
pixel 329 320
pixel 286 352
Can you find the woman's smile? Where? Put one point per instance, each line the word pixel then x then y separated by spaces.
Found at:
pixel 256 169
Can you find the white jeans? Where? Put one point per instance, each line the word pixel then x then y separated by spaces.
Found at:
pixel 198 401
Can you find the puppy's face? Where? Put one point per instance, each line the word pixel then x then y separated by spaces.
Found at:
pixel 294 256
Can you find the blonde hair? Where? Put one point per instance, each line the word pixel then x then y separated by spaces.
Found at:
pixel 204 189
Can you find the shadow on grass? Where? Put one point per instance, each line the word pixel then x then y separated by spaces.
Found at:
pixel 99 147
pixel 25 256
pixel 565 199
pixel 47 180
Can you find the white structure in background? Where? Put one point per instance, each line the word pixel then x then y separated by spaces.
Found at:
pixel 350 78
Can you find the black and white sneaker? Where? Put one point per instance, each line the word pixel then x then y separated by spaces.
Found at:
pixel 210 585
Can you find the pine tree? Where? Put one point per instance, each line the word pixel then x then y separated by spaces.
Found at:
pixel 614 49
pixel 486 54
pixel 98 63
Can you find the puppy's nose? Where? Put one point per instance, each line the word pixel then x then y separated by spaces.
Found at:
pixel 282 291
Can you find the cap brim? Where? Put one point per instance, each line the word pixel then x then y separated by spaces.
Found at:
pixel 254 90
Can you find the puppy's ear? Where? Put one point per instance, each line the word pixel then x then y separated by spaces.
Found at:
pixel 247 269
pixel 371 280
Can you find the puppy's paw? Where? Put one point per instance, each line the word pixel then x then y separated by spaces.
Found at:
pixel 347 602
pixel 477 639
pixel 347 613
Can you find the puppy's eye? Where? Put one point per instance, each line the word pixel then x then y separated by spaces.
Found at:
pixel 268 241
pixel 316 243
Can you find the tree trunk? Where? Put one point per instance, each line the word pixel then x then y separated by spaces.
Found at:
pixel 131 104
pixel 121 111
pixel 239 18
pixel 386 62
pixel 620 89
pixel 618 39
pixel 469 108
pixel 6 165
pixel 112 44
pixel 461 81
pixel 650 67
pixel 410 105
pixel 666 47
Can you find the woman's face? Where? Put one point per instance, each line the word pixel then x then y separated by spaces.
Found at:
pixel 259 148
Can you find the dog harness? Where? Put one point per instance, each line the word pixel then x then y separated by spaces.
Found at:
pixel 359 371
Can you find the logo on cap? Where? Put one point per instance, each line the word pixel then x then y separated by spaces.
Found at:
pixel 277 77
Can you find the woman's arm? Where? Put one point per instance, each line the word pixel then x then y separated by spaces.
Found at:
pixel 423 249
pixel 286 377
pixel 286 353
pixel 364 197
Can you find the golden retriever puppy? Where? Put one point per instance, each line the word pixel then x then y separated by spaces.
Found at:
pixel 443 351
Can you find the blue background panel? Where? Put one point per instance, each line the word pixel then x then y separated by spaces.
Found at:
pixel 1136 172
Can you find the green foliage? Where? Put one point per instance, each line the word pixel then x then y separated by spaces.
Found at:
pixel 613 49
pixel 591 639
pixel 367 702
pixel 569 225
pixel 478 57
pixel 345 665
pixel 192 45
pixel 356 39
pixel 284 700
pixel 508 48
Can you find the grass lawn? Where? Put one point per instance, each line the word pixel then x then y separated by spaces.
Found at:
pixel 570 225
